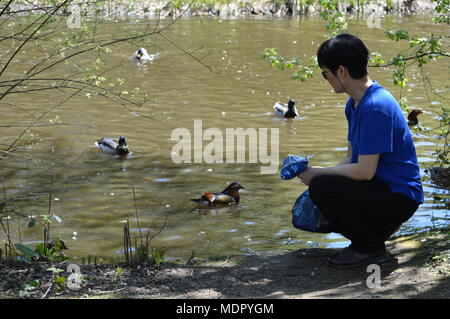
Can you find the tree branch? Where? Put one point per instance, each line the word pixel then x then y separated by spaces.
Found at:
pixel 30 36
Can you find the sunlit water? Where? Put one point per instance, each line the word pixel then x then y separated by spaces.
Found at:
pixel 92 193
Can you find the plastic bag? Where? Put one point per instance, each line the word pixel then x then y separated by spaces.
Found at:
pixel 292 166
pixel 306 215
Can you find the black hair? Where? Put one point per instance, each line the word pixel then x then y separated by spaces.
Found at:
pixel 347 50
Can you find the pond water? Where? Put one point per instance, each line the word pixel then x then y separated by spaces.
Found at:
pixel 93 193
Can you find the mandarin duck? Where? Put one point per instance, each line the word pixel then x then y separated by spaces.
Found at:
pixel 286 110
pixel 113 146
pixel 412 117
pixel 228 196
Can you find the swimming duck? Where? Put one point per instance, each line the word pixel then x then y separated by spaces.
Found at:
pixel 440 175
pixel 412 117
pixel 142 55
pixel 286 110
pixel 229 195
pixel 113 146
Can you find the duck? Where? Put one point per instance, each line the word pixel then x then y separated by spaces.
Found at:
pixel 142 55
pixel 113 146
pixel 440 175
pixel 286 110
pixel 412 117
pixel 57 244
pixel 228 196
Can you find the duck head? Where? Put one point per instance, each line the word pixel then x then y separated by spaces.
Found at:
pixel 141 53
pixel 291 104
pixel 122 141
pixel 122 148
pixel 233 190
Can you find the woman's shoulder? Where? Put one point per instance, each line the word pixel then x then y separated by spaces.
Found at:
pixel 381 100
pixel 381 95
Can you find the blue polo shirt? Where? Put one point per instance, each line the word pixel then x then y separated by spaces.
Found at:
pixel 378 126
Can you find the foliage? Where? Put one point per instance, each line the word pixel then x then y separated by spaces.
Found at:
pixel 52 252
pixel 142 249
pixel 304 6
pixel 443 154
pixel 335 23
pixel 28 253
pixel 335 19
pixel 421 51
pixel 304 70
pixel 157 256
pixel 443 11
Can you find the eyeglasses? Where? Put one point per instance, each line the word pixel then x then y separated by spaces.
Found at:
pixel 325 74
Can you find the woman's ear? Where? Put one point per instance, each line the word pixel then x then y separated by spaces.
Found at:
pixel 342 71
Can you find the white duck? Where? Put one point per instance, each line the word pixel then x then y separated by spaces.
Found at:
pixel 142 55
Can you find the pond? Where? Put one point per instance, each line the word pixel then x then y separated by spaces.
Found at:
pixel 93 193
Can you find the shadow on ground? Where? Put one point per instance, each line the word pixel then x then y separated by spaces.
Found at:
pixel 419 269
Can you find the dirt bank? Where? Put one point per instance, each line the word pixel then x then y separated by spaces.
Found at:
pixel 419 269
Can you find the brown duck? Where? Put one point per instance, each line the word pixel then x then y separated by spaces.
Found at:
pixel 228 196
pixel 412 117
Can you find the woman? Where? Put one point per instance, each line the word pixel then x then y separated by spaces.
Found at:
pixel 377 187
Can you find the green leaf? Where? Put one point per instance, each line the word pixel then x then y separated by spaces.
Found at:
pixel 41 249
pixel 55 270
pixel 397 35
pixel 376 59
pixel 60 281
pixel 47 218
pixel 27 251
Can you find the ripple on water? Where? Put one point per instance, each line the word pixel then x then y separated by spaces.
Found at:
pixel 141 230
pixel 162 180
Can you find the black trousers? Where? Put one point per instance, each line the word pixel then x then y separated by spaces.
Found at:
pixel 365 212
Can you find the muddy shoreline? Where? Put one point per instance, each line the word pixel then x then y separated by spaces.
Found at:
pixel 419 268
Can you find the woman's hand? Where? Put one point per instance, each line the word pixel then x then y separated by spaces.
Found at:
pixel 308 175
